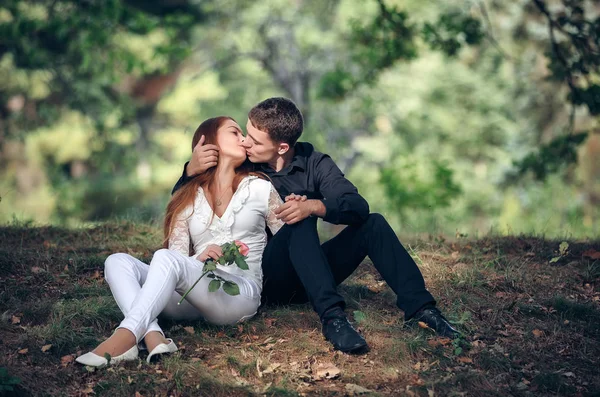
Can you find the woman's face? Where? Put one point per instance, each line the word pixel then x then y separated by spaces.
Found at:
pixel 229 140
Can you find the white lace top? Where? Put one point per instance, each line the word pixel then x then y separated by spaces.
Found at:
pixel 252 206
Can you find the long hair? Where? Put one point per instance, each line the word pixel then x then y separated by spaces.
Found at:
pixel 185 196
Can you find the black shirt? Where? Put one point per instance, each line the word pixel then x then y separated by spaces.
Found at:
pixel 315 175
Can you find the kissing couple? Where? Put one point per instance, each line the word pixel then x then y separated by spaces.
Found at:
pixel 266 190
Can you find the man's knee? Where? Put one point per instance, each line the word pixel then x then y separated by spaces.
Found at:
pixel 376 220
pixel 306 225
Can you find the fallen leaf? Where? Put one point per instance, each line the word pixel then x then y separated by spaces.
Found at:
pixel 97 275
pixel 326 371
pixel 195 359
pixel 189 330
pixel 592 254
pixel 423 325
pixel 269 322
pixel 465 360
pixel 271 368
pixel 356 390
pixel 45 348
pixel 522 386
pixel 66 360
pixel 258 363
pixel 36 270
pixel 569 374
pixel 138 394
pixel 439 342
pixel 15 320
pixel 24 351
pixel 129 380
pixel 89 390
pixel 455 255
pixel 537 333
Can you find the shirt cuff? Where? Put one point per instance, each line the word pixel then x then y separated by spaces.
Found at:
pixel 331 211
pixel 184 177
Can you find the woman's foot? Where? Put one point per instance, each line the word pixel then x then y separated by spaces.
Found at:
pixel 158 345
pixel 120 342
pixel 120 346
pixel 153 339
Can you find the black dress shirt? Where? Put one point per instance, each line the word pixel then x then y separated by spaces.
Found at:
pixel 315 175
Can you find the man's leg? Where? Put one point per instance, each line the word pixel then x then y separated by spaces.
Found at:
pixel 295 269
pixel 376 239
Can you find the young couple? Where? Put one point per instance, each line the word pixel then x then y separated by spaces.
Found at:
pixel 233 188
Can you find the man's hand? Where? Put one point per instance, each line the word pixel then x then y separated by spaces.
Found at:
pixel 294 211
pixel 212 251
pixel 296 197
pixel 203 158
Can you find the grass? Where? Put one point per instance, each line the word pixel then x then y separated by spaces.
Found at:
pixel 531 327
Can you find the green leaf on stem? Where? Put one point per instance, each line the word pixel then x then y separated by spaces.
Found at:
pixel 214 285
pixel 209 266
pixel 231 288
pixel 241 263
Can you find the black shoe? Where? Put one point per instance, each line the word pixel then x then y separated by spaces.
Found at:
pixel 435 320
pixel 341 334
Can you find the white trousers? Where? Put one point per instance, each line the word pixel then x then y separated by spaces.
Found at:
pixel 143 292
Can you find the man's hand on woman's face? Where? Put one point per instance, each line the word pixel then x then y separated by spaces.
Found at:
pixel 203 158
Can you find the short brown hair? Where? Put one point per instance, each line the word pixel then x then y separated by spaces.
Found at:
pixel 280 118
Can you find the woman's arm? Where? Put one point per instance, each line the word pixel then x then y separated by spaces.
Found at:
pixel 179 239
pixel 275 202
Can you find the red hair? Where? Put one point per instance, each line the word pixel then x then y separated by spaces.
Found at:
pixel 186 195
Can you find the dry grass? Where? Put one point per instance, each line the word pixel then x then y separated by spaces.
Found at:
pixel 531 327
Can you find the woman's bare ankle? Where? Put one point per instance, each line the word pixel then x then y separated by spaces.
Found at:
pixel 121 341
pixel 153 339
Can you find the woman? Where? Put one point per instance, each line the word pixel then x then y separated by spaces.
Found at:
pixel 223 204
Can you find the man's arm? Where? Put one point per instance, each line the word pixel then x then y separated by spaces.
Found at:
pixel 203 158
pixel 343 205
pixel 182 180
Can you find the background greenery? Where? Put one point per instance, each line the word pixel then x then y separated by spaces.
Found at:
pixel 453 117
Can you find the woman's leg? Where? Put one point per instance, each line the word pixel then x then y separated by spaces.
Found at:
pixel 171 271
pixel 125 276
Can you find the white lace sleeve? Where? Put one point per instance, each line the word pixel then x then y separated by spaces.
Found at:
pixel 275 202
pixel 179 240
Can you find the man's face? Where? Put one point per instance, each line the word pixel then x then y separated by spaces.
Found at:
pixel 259 146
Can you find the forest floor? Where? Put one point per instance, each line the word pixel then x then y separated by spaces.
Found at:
pixel 531 325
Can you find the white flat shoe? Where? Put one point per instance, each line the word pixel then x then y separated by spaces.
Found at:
pixel 162 348
pixel 94 360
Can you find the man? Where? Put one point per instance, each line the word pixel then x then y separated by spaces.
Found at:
pixel 296 267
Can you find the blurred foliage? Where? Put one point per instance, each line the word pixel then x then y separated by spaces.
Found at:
pixel 80 50
pixel 408 190
pixel 549 158
pixel 450 116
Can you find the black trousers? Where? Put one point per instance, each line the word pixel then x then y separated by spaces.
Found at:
pixel 298 269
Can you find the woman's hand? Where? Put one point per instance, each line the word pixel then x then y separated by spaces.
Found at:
pixel 212 251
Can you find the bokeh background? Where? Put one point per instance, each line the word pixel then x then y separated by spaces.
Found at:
pixel 453 117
